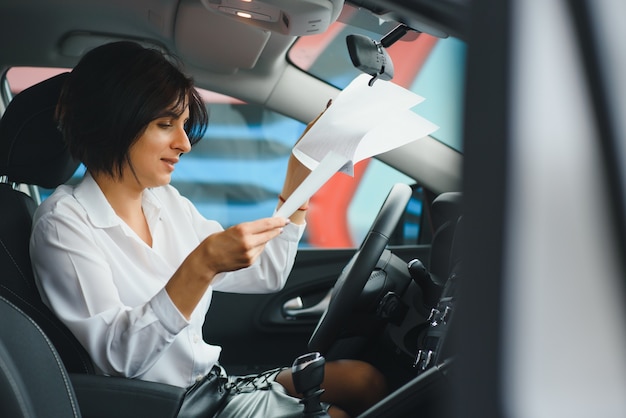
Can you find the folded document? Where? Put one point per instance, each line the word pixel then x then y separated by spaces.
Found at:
pixel 362 121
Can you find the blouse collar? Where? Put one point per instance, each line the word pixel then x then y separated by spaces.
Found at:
pixel 98 209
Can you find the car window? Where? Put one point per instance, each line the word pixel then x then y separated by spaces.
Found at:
pixel 236 172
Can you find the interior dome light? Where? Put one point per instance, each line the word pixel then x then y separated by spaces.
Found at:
pixel 288 17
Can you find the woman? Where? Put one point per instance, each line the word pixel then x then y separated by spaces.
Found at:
pixel 133 263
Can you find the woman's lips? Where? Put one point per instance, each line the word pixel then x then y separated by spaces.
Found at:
pixel 170 162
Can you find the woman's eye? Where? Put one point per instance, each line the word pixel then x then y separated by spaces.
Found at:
pixel 165 125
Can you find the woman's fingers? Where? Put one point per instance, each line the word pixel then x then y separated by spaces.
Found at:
pixel 259 232
pixel 239 246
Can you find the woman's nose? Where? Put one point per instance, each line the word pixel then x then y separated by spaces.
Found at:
pixel 182 141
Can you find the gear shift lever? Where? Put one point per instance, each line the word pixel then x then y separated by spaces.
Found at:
pixel 420 275
pixel 308 373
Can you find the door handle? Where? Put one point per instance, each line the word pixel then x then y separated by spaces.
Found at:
pixel 294 308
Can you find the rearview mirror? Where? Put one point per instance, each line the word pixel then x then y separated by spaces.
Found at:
pixel 370 57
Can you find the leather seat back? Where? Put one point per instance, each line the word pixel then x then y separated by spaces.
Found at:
pixel 446 211
pixel 32 152
pixel 33 381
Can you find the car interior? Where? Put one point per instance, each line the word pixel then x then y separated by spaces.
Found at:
pixel 480 267
pixel 35 154
pixel 383 298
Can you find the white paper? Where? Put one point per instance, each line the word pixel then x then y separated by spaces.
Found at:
pixel 362 121
pixel 327 168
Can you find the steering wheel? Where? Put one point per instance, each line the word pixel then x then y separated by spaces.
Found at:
pixel 354 276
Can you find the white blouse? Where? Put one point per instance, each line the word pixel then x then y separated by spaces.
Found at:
pixel 107 285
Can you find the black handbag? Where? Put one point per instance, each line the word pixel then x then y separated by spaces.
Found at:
pixel 206 397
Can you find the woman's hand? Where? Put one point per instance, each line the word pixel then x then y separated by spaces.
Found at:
pixel 310 124
pixel 239 246
pixel 296 173
pixel 235 248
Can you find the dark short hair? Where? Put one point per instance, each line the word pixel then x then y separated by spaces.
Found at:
pixel 112 95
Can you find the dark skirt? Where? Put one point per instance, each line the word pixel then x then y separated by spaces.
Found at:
pixel 252 396
pixel 259 396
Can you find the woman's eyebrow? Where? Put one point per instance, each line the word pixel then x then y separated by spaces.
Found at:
pixel 169 114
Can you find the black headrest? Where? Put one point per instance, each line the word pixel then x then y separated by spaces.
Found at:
pixel 446 210
pixel 447 207
pixel 32 150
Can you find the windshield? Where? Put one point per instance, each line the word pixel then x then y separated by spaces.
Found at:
pixel 429 66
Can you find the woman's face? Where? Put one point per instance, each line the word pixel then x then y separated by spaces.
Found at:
pixel 158 149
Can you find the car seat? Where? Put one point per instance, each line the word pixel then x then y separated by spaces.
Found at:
pixel 32 153
pixel 31 386
pixel 445 212
pixel 36 349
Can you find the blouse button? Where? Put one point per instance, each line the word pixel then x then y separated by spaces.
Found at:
pixel 196 338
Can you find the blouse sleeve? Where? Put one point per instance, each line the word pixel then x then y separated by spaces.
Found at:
pixel 81 291
pixel 271 270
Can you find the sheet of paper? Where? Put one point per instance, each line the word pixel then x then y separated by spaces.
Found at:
pixel 326 168
pixel 362 121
